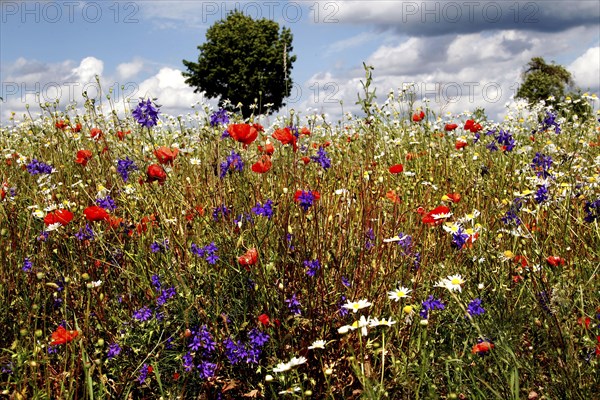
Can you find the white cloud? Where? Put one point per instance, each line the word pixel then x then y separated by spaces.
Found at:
pixel 586 70
pixel 87 70
pixel 455 72
pixel 130 69
pixel 65 81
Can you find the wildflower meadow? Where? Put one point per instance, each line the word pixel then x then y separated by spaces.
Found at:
pixel 403 253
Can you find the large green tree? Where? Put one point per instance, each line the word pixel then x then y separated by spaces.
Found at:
pixel 542 80
pixel 244 59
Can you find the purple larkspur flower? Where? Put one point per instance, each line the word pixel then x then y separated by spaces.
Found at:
pixel 124 167
pixel 146 114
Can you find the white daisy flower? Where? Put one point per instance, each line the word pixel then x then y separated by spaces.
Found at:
pixel 399 293
pixel 357 305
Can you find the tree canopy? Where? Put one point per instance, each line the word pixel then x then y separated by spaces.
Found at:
pixel 542 80
pixel 242 60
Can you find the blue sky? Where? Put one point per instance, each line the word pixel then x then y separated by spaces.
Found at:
pixel 459 54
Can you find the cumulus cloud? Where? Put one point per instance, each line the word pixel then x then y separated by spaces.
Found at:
pixel 586 70
pixel 455 73
pixel 30 82
pixel 130 69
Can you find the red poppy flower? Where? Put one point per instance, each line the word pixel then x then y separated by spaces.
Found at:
pixel 521 260
pixel 437 215
pixel 460 144
pixel 393 197
pixel 165 155
pixel 83 156
pixel 268 149
pixel 60 216
pixel 142 226
pixel 243 133
pixel 598 346
pixel 96 213
pixel 450 127
pixel 263 319
pixel 262 165
pixel 258 127
pixel 555 261
pixel 196 210
pixel 472 126
pixel 285 136
pixel 418 116
pixel 76 128
pixel 305 160
pixel 122 134
pixel 3 190
pixel 249 258
pixel 62 125
pixel 62 336
pixel 156 173
pixel 305 131
pixel 96 133
pixel 482 348
pixel 584 322
pixel 396 169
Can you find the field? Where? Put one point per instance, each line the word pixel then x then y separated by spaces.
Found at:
pixel 403 254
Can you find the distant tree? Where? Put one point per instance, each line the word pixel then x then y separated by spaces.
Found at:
pixel 242 60
pixel 541 80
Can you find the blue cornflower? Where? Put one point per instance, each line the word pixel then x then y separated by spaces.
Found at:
pixel 459 238
pixel 474 308
pixel 541 163
pixel 27 265
pixel 86 233
pixel 305 199
pixel 294 305
pixel 429 305
pixel 37 167
pixel 406 242
pixel 155 279
pixel 541 194
pixel 321 158
pixel 156 247
pixel 506 140
pixel 220 210
pixel 145 114
pixel 346 282
pixel 232 162
pixel 143 314
pixel 258 338
pixel 417 261
pixel 550 122
pixel 313 266
pixel 208 252
pixel 165 295
pixel 124 167
pixel 592 210
pixel 511 215
pixel 107 203
pixel 265 210
pixel 113 350
pixel 188 361
pixel 219 117
pixel 143 374
pixel 343 311
pixel 234 351
pixel 370 239
pixel 206 369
